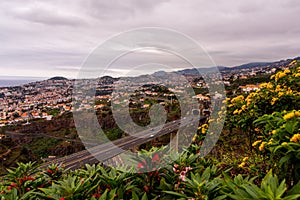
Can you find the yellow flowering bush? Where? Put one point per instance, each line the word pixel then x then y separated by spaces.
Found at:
pixel 280 139
pixel 270 118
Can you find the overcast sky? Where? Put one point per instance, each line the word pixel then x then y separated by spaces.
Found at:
pixel 49 38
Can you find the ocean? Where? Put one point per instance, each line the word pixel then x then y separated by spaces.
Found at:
pixel 7 81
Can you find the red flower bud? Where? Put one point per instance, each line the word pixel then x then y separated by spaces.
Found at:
pixel 13 185
pixel 97 195
pixel 128 191
pixel 146 188
pixel 30 178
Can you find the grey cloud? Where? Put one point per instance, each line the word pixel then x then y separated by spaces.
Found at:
pixel 39 36
pixel 118 9
pixel 40 13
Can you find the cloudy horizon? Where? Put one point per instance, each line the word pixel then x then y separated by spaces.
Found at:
pixel 54 38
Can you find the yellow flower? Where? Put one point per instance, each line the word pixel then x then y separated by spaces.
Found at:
pixel 203 130
pixel 289 91
pixel 272 77
pixel 242 165
pixel 256 129
pixel 245 159
pixel 256 143
pixel 282 75
pixel 284 143
pixel 295 138
pixel 274 99
pixel 194 138
pixel 269 85
pixel 274 132
pixel 249 101
pixel 279 75
pixel 238 98
pixel 289 115
pixel 270 142
pixel 287 71
pixel 277 89
pixel 236 112
pixel 262 146
pixel 263 85
pixel 243 107
pixel 293 62
pixel 205 125
pixel 280 94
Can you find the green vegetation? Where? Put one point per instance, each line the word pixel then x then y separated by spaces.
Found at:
pixel 41 147
pixel 54 112
pixel 187 177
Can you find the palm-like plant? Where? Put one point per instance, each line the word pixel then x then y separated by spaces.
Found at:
pixel 21 178
pixel 70 188
pixel 270 189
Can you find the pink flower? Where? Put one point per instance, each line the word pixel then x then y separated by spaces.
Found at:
pixel 140 166
pixel 174 169
pixel 182 177
pixel 187 169
pixel 155 158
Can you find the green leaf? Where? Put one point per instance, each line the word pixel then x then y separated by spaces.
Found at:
pixel 175 194
pixel 144 197
pixel 135 196
pixel 290 127
pixel 295 189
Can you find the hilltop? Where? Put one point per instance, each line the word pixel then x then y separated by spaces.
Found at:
pixel 57 78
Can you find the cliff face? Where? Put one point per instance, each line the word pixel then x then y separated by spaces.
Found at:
pixel 11 153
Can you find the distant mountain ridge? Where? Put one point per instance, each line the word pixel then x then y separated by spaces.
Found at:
pixel 10 81
pixel 239 67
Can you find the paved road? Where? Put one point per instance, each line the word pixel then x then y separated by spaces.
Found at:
pixel 109 150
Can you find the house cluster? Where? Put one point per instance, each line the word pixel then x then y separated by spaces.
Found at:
pixel 20 104
pixel 249 87
pixel 35 100
pixel 243 72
